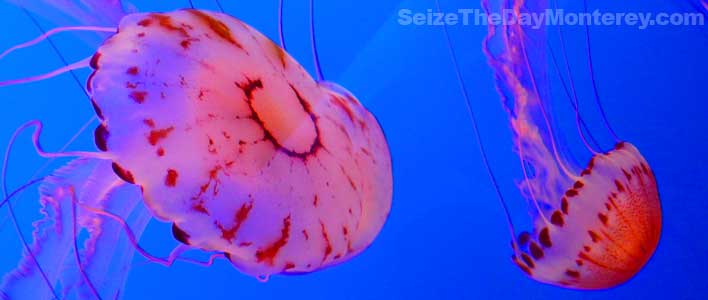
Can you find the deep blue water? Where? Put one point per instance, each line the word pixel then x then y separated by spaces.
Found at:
pixel 446 237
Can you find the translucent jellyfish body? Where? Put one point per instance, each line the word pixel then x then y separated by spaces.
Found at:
pixel 217 130
pixel 595 225
pixel 235 143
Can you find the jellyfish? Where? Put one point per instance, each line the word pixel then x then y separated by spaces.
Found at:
pixel 207 124
pixel 595 224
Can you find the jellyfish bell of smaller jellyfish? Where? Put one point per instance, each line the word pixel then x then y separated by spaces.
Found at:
pixel 602 230
pixel 234 143
pixel 594 226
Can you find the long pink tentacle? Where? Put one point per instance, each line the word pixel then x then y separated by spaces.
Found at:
pixel 38 147
pixel 7 197
pixel 84 63
pixel 34 175
pixel 167 262
pixel 54 31
pixel 19 191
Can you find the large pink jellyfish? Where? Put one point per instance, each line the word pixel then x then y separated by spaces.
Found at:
pixel 595 225
pixel 220 132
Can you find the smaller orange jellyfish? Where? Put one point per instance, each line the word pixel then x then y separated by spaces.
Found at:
pixel 594 226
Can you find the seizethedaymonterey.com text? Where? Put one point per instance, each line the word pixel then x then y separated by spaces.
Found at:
pixel 548 17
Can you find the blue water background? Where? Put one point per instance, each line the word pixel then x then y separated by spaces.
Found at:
pixel 446 237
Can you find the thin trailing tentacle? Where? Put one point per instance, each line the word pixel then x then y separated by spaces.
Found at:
pixel 573 103
pixel 49 161
pixel 167 262
pixel 45 36
pixel 596 92
pixel 18 191
pixel 281 29
pixel 84 63
pixel 103 259
pixel 571 80
pixel 13 216
pixel 28 249
pixel 547 121
pixel 221 8
pixel 16 225
pixel 315 52
pixel 478 135
pixel 38 147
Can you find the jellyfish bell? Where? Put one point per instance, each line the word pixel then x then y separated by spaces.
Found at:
pixel 226 136
pixel 602 230
pixel 235 143
pixel 595 226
